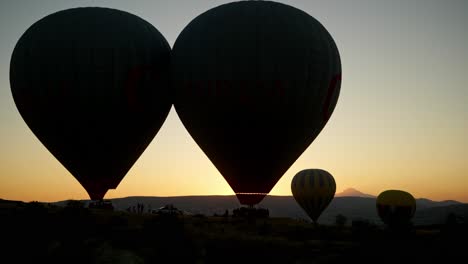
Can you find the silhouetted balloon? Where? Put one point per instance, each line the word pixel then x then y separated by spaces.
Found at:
pixel 395 207
pixel 92 84
pixel 255 84
pixel 313 190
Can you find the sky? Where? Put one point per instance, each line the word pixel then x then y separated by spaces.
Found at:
pixel 401 121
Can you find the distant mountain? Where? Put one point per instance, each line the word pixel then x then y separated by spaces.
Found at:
pixel 426 203
pixel 9 204
pixel 427 212
pixel 351 192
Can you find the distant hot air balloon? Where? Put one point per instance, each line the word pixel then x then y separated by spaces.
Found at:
pixel 93 85
pixel 255 83
pixel 313 190
pixel 396 207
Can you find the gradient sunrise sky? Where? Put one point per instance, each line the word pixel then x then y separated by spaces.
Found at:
pixel 401 121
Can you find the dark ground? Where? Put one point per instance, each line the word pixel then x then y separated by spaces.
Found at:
pixel 35 232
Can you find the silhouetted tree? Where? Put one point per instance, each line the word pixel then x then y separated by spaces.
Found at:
pixel 451 219
pixel 340 220
pixel 451 223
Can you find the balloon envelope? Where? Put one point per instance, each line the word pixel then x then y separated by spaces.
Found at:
pixel 92 85
pixel 395 207
pixel 313 190
pixel 255 84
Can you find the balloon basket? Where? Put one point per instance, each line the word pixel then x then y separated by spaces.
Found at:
pixel 101 205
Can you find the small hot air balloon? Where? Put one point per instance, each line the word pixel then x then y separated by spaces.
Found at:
pixel 313 190
pixel 255 83
pixel 93 85
pixel 395 207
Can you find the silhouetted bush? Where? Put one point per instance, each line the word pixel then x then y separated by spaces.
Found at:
pixel 452 224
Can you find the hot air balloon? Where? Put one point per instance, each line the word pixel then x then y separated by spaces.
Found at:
pixel 255 82
pixel 395 207
pixel 313 190
pixel 93 85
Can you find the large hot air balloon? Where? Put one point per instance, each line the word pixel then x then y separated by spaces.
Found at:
pixel 395 207
pixel 313 190
pixel 255 83
pixel 93 85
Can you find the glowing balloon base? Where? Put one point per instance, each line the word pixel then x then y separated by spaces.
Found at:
pixel 250 199
pixel 98 190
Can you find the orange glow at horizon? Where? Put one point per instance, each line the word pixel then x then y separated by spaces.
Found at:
pixel 162 171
